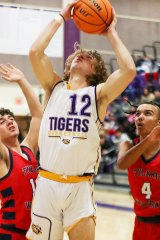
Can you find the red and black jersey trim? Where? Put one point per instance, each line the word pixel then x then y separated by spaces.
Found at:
pixel 4 236
pixel 12 228
pixel 154 219
pixel 151 159
pixel 7 192
pixel 8 204
pixel 9 215
pixel 11 166
pixel 26 153
pixel 136 141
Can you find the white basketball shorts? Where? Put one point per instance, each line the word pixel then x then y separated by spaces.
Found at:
pixel 59 206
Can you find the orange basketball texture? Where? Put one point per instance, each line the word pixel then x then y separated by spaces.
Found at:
pixel 92 16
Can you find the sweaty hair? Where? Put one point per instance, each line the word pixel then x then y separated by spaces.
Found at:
pixel 101 71
pixel 5 111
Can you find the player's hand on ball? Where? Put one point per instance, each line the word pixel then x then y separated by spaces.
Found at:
pixel 114 21
pixel 92 17
pixel 67 11
pixel 112 26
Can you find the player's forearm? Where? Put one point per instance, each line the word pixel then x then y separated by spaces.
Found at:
pixel 43 40
pixel 32 100
pixel 124 59
pixel 128 158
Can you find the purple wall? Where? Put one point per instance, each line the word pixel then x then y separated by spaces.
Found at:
pixel 71 35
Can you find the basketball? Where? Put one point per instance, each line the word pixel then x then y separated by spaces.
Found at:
pixel 92 16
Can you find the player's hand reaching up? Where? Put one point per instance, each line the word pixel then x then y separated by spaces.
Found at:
pixel 112 26
pixel 10 73
pixel 154 136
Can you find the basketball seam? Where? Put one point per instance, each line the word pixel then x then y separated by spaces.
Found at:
pixel 95 31
pixel 107 16
pixel 88 22
pixel 106 10
pixel 95 12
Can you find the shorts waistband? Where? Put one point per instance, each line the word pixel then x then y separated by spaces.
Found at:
pixel 64 178
pixel 155 219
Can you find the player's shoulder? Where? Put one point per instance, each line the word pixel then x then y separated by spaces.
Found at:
pixel 27 149
pixel 59 84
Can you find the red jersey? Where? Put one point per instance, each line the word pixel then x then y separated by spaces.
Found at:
pixel 17 189
pixel 144 179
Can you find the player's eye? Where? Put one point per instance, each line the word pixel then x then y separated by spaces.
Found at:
pixel 148 113
pixel 89 56
pixel 137 114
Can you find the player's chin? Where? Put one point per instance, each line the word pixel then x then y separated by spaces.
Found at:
pixel 139 130
pixel 14 133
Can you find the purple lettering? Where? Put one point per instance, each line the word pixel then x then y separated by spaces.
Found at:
pixel 53 120
pixel 85 123
pixel 77 125
pixel 69 123
pixel 61 124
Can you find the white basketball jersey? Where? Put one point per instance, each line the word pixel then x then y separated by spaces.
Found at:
pixel 69 138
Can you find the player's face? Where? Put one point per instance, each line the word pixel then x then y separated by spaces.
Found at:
pixel 147 117
pixel 84 62
pixel 8 127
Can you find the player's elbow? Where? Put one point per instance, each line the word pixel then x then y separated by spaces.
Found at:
pixel 129 74
pixel 33 52
pixel 131 71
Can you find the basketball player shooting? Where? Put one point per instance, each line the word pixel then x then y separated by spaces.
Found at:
pixel 69 135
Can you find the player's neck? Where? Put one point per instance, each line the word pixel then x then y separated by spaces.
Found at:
pixel 77 82
pixel 13 144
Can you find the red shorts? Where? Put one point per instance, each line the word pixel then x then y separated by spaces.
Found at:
pixel 8 235
pixel 146 231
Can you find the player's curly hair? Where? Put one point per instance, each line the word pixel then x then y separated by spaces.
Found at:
pixel 101 74
pixel 5 111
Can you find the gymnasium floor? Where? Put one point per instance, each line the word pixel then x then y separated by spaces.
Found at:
pixel 115 217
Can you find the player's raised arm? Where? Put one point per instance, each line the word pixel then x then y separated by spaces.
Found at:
pixel 129 154
pixel 40 62
pixel 120 79
pixel 12 74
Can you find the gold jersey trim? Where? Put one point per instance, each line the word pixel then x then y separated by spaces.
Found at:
pixel 64 178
